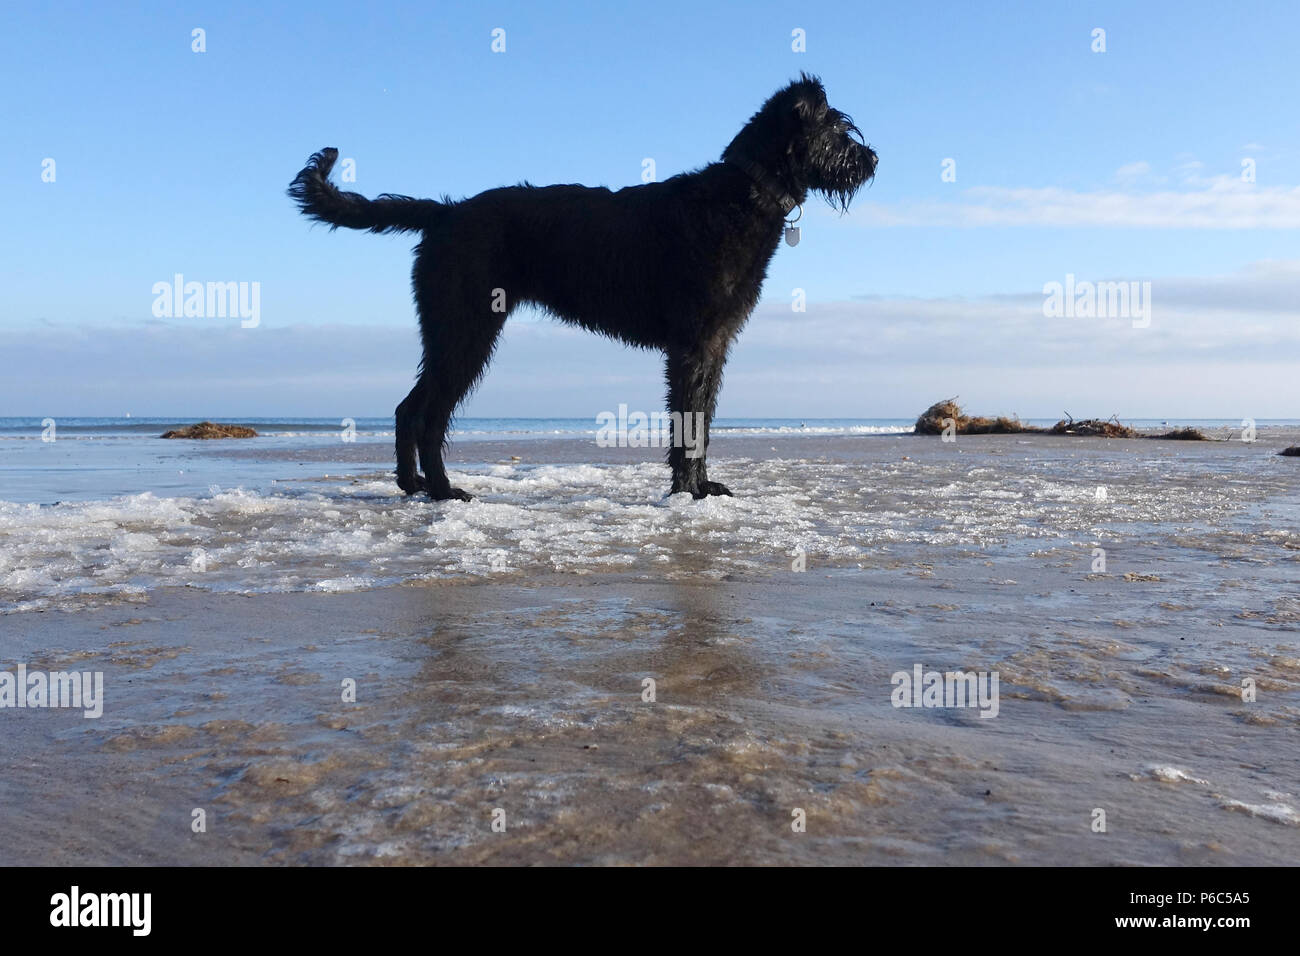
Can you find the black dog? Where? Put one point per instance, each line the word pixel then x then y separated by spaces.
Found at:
pixel 675 266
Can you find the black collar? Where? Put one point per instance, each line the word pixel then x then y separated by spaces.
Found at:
pixel 765 181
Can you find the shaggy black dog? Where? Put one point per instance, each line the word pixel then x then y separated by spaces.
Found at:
pixel 675 266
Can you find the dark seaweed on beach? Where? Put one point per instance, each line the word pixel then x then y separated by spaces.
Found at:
pixel 205 430
pixel 1183 434
pixel 932 422
pixel 1093 427
pixel 933 419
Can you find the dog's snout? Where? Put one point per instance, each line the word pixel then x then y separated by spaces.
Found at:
pixel 869 160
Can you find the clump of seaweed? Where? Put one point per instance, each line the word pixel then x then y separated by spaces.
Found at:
pixel 1183 434
pixel 934 420
pixel 206 430
pixel 1093 427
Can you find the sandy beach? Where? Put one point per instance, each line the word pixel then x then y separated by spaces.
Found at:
pixel 500 652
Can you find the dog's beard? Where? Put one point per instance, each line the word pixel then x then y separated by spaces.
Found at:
pixel 839 162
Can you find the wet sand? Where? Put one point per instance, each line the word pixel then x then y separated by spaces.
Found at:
pixel 769 697
pixel 523 691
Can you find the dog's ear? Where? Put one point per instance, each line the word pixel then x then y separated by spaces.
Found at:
pixel 810 96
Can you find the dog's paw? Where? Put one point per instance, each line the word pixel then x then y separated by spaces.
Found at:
pixel 451 494
pixel 711 488
pixel 411 484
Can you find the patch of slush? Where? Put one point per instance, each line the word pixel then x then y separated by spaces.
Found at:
pixel 344 534
pixel 1167 774
pixel 1273 812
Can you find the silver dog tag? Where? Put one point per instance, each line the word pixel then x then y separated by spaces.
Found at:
pixel 792 235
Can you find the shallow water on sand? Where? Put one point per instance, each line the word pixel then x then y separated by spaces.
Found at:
pixel 842 503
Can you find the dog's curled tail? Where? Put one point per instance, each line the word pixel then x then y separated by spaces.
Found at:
pixel 320 199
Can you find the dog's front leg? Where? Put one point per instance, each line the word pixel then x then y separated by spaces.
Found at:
pixel 694 378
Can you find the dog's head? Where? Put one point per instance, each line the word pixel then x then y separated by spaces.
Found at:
pixel 806 144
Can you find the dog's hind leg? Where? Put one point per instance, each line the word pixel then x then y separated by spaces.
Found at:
pixel 408 429
pixel 694 379
pixel 456 353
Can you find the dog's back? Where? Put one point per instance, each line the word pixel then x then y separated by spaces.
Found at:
pixel 621 263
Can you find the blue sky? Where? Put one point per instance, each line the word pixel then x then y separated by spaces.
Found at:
pixel 1123 165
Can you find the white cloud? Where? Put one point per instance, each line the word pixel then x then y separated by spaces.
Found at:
pixel 1224 202
pixel 1217 346
pixel 1131 172
pixel 1245 315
